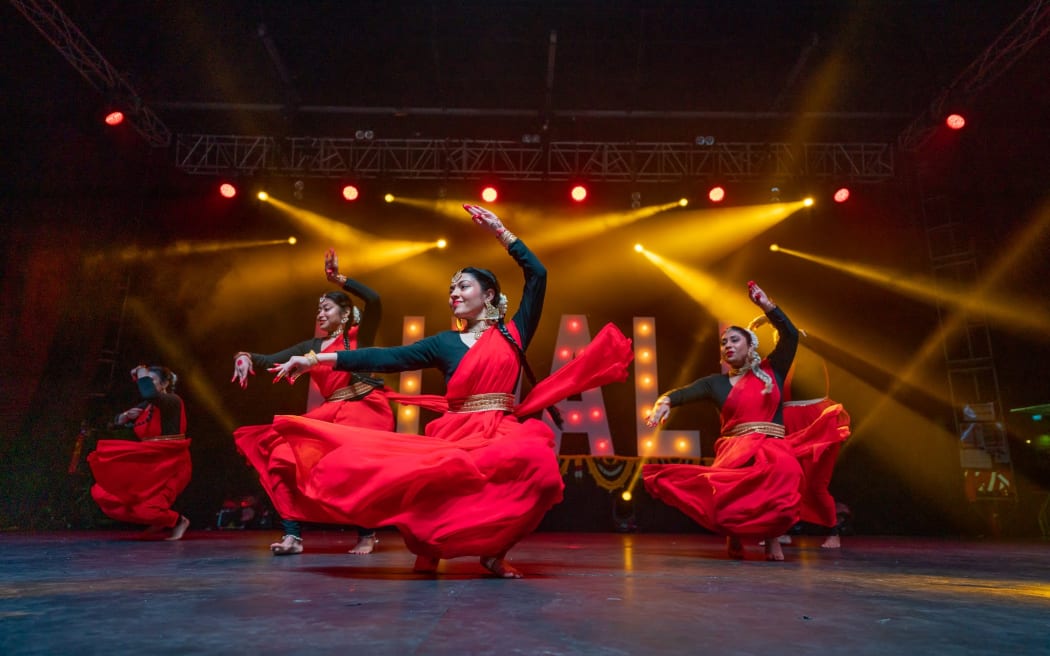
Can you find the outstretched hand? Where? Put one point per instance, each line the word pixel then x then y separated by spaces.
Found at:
pixel 658 415
pixel 331 265
pixel 486 218
pixel 242 366
pixel 759 297
pixel 296 366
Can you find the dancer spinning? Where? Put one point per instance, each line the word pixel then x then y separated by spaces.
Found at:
pixel 137 482
pixel 806 402
pixel 480 479
pixel 752 487
pixel 350 399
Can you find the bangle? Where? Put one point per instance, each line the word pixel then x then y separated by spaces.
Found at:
pixel 506 237
pixel 311 357
pixel 341 279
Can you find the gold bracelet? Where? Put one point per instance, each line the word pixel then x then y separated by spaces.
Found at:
pixel 311 357
pixel 507 238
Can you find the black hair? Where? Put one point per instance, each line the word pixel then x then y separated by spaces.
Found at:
pixel 485 278
pixel 166 375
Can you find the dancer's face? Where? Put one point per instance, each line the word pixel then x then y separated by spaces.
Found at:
pixel 330 315
pixel 467 298
pixel 734 348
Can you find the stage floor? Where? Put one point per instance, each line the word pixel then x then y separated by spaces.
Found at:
pixel 221 592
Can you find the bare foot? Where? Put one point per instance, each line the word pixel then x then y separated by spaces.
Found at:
pixel 366 544
pixel 152 532
pixel 735 548
pixel 784 539
pixel 773 550
pixel 288 546
pixel 179 529
pixel 426 564
pixel 500 567
pixel 832 542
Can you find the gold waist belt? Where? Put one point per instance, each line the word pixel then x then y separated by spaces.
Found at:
pixel 482 403
pixel 163 438
pixel 805 402
pixel 767 428
pixel 352 392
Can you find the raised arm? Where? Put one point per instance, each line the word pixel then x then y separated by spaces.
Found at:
pixel 372 311
pixel 787 342
pixel 527 317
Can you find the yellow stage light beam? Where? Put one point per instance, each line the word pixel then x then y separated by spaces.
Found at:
pixel 1010 312
pixel 1018 248
pixel 177 358
pixel 184 248
pixel 721 300
pixel 563 231
pixel 380 252
pixel 711 233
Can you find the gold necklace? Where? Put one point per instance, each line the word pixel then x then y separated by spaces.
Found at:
pixel 738 372
pixel 480 330
pixel 335 334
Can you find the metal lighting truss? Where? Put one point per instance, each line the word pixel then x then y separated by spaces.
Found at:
pixel 469 159
pixel 1018 38
pixel 56 27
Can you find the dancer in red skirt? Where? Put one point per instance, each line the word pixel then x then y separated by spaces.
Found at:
pixel 806 403
pixel 481 478
pixel 350 399
pixel 137 482
pixel 752 489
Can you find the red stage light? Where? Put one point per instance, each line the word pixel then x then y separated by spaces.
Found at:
pixel 489 194
pixel 114 118
pixel 227 190
pixel 955 121
pixel 350 192
pixel 579 193
pixel 717 194
pixel 841 195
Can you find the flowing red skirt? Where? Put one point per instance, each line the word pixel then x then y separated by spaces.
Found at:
pixel 816 432
pixel 752 489
pixel 137 482
pixel 476 492
pixel 273 459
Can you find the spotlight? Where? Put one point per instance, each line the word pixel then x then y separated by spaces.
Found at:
pixel 489 194
pixel 841 195
pixel 364 135
pixel 626 496
pixel 774 194
pixel 114 118
pixel 955 121
pixel 227 190
pixel 298 189
pixel 706 140
pixel 636 200
pixel 292 241
pixel 262 195
pixel 530 138
pixel 638 248
pixel 774 247
pixel 389 198
pixel 716 194
pixel 579 193
pixel 808 202
pixel 441 243
pixel 682 202
pixel 350 192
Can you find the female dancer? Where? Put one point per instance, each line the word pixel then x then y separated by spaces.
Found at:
pixel 752 487
pixel 350 399
pixel 480 479
pixel 137 482
pixel 806 402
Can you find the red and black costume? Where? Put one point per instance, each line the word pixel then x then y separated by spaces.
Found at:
pixel 480 478
pixel 137 482
pixel 806 403
pixel 752 488
pixel 350 400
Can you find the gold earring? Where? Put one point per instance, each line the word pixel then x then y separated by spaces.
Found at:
pixel 491 312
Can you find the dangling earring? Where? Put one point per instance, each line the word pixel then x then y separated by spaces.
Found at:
pixel 491 312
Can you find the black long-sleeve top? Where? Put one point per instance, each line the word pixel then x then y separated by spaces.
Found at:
pixel 445 350
pixel 717 387
pixel 167 404
pixel 371 314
